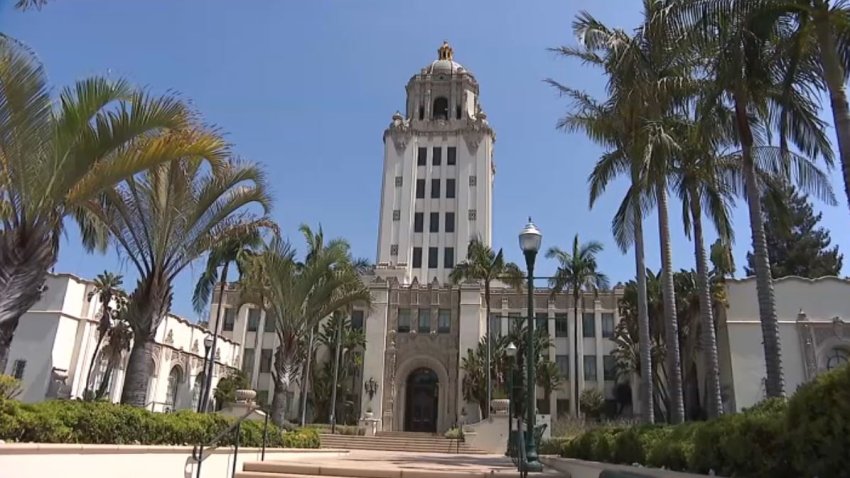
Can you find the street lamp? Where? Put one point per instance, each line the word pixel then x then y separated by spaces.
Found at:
pixel 510 351
pixel 208 343
pixel 529 241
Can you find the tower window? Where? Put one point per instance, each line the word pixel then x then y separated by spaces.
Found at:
pixel 421 157
pixel 451 155
pixel 473 180
pixel 457 111
pixel 450 222
pixel 435 189
pixel 420 188
pixel 472 214
pixel 449 257
pixel 432 257
pixel 441 108
pixel 418 219
pixel 434 224
pixel 394 250
pixel 398 181
pixel 417 257
pixel 450 188
pixel 438 155
pixel 397 215
pixel 422 112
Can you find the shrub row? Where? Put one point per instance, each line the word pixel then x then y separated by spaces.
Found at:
pixel 72 421
pixel 807 436
pixel 340 429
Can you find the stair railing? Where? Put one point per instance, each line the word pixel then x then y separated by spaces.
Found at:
pixel 198 450
pixel 522 459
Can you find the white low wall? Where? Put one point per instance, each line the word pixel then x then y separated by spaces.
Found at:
pixel 32 460
pixel 592 469
pixel 488 435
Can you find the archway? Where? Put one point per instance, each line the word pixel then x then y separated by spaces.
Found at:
pixel 421 410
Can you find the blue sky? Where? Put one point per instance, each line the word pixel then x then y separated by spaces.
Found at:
pixel 307 88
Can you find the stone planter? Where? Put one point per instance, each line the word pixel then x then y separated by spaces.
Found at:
pixel 500 405
pixel 245 396
pixel 368 415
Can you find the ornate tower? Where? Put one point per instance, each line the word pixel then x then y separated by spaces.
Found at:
pixel 438 175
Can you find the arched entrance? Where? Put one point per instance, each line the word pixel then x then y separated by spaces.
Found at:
pixel 420 414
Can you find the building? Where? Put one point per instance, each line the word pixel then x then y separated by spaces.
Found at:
pixel 437 191
pixel 55 340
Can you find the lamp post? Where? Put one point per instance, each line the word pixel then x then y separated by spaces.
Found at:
pixel 510 351
pixel 208 342
pixel 529 241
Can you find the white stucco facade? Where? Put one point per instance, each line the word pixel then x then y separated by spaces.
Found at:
pixel 55 340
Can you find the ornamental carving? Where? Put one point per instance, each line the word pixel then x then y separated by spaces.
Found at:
pixel 169 337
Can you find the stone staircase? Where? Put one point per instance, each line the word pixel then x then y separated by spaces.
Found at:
pixel 371 469
pixel 398 441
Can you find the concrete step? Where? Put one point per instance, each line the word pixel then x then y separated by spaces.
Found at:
pixel 420 445
pixel 284 469
pixel 388 440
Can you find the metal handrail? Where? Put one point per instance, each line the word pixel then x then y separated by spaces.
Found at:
pixel 212 445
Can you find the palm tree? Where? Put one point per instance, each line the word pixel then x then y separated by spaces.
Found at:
pixel 107 287
pixel 57 156
pixel 751 85
pixel 299 295
pixel 548 377
pixel 120 340
pixel 485 265
pixel 577 270
pixel 166 218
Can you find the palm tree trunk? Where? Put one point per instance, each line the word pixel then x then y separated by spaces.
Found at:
pixel 714 405
pixel 91 363
pixel 833 73
pixel 25 259
pixel 138 373
pixel 337 351
pixel 674 359
pixel 486 409
pixel 774 382
pixel 279 394
pixel 576 380
pixel 645 339
pixel 206 391
pixel 305 381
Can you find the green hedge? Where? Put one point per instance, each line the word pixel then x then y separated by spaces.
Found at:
pixel 72 421
pixel 807 436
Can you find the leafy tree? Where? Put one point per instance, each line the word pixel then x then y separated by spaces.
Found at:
pixel 58 155
pixel 225 389
pixel 795 243
pixel 486 265
pixel 577 270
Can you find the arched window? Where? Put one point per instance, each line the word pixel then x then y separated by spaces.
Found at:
pixel 174 379
pixel 101 374
pixel 196 390
pixel 421 112
pixel 441 108
pixel 836 358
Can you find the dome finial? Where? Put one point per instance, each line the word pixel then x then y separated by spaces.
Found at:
pixel 445 51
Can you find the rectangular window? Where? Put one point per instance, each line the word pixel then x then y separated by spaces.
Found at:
pixel 543 406
pixel 420 188
pixel 266 360
pixel 271 323
pixel 495 326
pixel 18 369
pixel 589 368
pixel 514 321
pixel 417 257
pixel 263 397
pixel 432 257
pixel 563 363
pixel 588 325
pixel 424 321
pixel 422 157
pixel 404 320
pixel 229 319
pixel 357 319
pixel 451 155
pixel 610 367
pixel 444 321
pixel 450 188
pixel 248 362
pixel 607 325
pixel 418 221
pixel 434 223
pixel 253 320
pixel 563 405
pixel 450 222
pixel 449 257
pixel 438 155
pixel 562 325
pixel 435 189
pixel 540 321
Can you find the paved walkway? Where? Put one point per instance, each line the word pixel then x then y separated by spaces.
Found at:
pixel 393 460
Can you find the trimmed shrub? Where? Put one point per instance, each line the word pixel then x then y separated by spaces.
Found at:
pixel 552 446
pixel 106 423
pixel 818 421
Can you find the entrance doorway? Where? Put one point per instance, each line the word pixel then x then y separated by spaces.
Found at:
pixel 420 413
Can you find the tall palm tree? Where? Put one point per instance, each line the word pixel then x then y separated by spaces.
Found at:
pixel 107 288
pixel 751 85
pixel 485 265
pixel 119 340
pixel 578 271
pixel 298 296
pixel 57 156
pixel 165 219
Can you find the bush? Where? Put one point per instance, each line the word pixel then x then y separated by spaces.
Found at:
pixel 592 403
pixel 552 446
pixel 454 434
pixel 106 423
pixel 818 420
pixel 10 387
pixel 325 428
